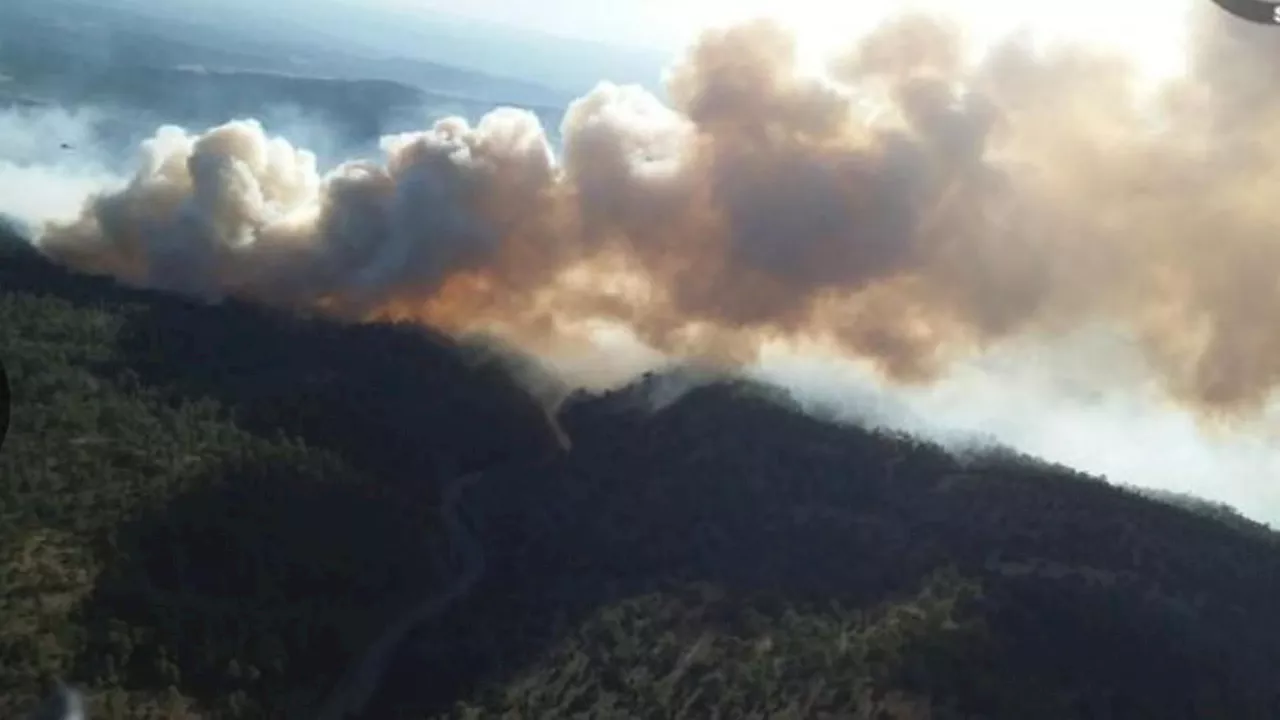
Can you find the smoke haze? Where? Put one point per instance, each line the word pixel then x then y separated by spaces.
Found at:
pixel 39 181
pixel 1032 244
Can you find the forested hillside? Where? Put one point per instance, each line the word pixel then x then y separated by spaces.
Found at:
pixel 210 511
pixel 213 508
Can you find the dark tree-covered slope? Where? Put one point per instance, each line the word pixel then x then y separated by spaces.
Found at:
pixel 216 508
pixel 209 511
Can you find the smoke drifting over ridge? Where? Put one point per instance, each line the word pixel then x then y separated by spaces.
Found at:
pixel 910 209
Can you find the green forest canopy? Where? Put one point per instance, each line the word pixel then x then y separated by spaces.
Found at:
pixel 208 511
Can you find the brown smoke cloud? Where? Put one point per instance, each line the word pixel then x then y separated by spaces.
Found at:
pixel 910 208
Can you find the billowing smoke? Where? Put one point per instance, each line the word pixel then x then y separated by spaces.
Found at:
pixel 911 208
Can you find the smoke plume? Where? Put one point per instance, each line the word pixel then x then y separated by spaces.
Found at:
pixel 911 208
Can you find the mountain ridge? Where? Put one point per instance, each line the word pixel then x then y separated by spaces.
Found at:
pixel 212 509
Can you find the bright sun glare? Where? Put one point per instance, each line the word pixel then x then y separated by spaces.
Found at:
pixel 1151 33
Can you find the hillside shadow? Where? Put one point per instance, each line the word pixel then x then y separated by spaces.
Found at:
pixel 773 508
pixel 24 269
pixel 401 404
pixel 265 579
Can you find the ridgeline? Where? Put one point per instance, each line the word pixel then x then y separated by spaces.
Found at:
pixel 212 511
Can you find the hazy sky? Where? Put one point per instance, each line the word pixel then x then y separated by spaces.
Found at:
pixel 1150 30
pixel 665 24
pixel 653 23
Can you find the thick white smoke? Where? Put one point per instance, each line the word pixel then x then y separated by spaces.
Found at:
pixel 1044 398
pixel 921 215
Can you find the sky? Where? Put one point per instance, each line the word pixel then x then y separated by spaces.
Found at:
pixel 1031 398
pixel 1150 30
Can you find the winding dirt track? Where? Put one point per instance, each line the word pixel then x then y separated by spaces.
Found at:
pixel 352 694
pixel 350 697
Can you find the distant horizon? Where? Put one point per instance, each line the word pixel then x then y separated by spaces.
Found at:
pixel 459 15
pixel 564 62
pixel 530 24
